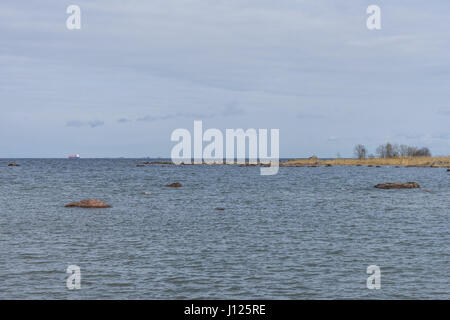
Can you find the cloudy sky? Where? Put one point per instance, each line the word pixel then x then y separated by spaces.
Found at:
pixel 137 70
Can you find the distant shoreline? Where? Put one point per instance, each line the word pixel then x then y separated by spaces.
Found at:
pixel 433 162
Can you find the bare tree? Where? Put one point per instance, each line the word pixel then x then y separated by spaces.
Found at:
pixel 423 152
pixel 404 150
pixel 381 151
pixel 360 151
pixel 389 150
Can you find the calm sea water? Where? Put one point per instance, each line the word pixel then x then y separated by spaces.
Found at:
pixel 302 234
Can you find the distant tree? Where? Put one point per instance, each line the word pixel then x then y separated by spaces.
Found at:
pixel 389 150
pixel 360 151
pixel 423 152
pixel 404 150
pixel 381 151
pixel 395 151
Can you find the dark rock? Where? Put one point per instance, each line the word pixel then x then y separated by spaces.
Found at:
pixel 157 162
pixel 13 164
pixel 397 185
pixel 448 170
pixel 220 209
pixel 174 185
pixel 88 203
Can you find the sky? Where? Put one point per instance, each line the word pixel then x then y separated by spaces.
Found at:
pixel 138 70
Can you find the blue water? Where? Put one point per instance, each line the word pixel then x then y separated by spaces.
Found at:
pixel 302 234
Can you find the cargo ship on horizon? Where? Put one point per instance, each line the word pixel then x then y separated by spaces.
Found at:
pixel 74 156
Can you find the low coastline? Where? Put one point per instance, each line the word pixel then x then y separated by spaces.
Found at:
pixel 425 162
pixel 433 162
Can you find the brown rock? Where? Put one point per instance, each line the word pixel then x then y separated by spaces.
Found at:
pixel 174 185
pixel 88 203
pixel 13 164
pixel 397 185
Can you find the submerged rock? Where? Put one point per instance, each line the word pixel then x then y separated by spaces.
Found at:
pixel 13 164
pixel 88 203
pixel 398 185
pixel 174 185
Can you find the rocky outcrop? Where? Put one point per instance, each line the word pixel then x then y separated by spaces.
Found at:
pixel 174 185
pixel 13 164
pixel 397 185
pixel 154 162
pixel 88 203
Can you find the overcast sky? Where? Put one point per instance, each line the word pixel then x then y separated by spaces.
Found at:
pixel 137 70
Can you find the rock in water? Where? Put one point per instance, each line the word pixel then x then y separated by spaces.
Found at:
pixel 220 209
pixel 174 185
pixel 13 164
pixel 88 203
pixel 397 185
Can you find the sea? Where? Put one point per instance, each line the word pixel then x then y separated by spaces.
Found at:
pixel 305 233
